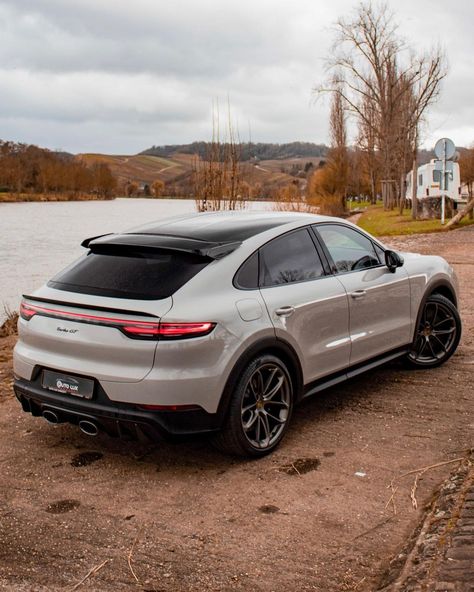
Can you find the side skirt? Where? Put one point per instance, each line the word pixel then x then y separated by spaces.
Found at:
pixel 327 381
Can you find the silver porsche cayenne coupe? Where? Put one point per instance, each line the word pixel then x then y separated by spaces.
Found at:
pixel 219 323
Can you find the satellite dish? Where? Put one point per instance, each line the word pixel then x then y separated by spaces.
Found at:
pixel 445 148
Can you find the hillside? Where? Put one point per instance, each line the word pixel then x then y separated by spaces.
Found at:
pixel 249 150
pixel 143 168
pixel 176 170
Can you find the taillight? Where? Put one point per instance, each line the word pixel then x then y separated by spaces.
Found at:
pixel 170 330
pixel 26 312
pixel 131 328
pixel 176 330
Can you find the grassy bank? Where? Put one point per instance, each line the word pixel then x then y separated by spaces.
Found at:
pixel 379 222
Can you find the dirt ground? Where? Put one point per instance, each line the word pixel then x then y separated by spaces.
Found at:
pixel 315 515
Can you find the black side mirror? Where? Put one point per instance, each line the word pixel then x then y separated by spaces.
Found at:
pixel 393 260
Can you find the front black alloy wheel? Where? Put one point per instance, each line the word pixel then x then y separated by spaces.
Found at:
pixel 437 335
pixel 260 409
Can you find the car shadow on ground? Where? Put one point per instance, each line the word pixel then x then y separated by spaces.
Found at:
pixel 196 453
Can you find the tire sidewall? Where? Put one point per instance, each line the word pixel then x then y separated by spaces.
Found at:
pixel 235 413
pixel 438 298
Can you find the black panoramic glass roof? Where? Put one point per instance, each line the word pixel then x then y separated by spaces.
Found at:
pixel 215 229
pixel 208 235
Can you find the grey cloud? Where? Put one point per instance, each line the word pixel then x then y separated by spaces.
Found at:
pixel 110 75
pixel 143 37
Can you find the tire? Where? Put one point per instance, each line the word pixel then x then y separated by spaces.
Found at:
pixel 437 334
pixel 259 411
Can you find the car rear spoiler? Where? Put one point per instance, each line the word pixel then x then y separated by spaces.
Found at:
pixel 152 242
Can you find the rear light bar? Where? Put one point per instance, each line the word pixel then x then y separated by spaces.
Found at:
pixel 131 328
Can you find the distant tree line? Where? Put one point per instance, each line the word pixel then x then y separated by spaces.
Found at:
pixel 26 168
pixel 248 150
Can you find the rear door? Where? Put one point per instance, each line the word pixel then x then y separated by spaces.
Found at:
pixel 379 301
pixel 308 308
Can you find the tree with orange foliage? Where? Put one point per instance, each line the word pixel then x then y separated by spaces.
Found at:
pixel 29 169
pixel 158 188
pixel 324 189
pixel 132 189
pixel 327 188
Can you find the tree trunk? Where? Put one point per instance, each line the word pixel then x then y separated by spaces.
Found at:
pixel 471 213
pixel 414 187
pixel 373 199
pixel 457 218
pixel 402 193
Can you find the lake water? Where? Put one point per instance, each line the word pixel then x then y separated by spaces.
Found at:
pixel 38 239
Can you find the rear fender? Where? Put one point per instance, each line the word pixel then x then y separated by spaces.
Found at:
pixel 274 346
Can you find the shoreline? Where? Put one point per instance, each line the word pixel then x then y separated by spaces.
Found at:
pixel 46 197
pixel 43 197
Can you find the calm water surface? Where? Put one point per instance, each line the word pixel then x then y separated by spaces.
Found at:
pixel 38 239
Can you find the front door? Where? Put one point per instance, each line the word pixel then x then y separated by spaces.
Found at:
pixel 379 301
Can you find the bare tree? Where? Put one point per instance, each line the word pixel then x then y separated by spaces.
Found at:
pixel 367 142
pixel 217 177
pixel 384 85
pixel 338 133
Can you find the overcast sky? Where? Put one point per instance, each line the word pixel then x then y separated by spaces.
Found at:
pixel 117 76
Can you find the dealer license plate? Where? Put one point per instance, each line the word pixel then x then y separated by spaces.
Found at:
pixel 69 385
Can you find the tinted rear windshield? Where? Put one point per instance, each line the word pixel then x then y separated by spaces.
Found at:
pixel 130 274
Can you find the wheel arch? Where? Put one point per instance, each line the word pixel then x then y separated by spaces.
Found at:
pixel 441 287
pixel 275 346
pixel 444 289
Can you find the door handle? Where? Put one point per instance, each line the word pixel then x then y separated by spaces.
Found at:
pixel 285 311
pixel 358 294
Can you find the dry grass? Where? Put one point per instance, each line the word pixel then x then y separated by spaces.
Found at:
pixel 9 327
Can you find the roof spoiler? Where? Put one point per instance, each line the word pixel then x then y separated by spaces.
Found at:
pixel 209 250
pixel 86 242
pixel 219 250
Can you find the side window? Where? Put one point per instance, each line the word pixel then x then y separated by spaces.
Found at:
pixel 350 250
pixel 289 258
pixel 247 276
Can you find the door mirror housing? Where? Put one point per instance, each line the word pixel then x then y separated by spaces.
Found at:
pixel 393 260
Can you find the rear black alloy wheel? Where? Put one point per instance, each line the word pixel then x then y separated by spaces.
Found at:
pixel 437 334
pixel 260 409
pixel 265 405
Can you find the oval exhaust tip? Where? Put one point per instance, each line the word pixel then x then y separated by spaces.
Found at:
pixel 50 416
pixel 88 427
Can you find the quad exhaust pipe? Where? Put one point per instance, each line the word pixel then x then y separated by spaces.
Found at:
pixel 88 427
pixel 50 416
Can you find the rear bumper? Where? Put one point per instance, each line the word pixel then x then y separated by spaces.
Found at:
pixel 116 419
